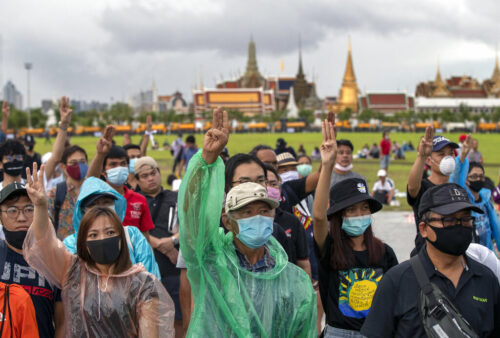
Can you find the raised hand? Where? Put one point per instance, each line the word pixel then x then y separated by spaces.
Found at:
pixel 467 146
pixel 105 142
pixel 65 111
pixel 216 137
pixel 328 148
pixel 5 109
pixel 425 146
pixel 35 187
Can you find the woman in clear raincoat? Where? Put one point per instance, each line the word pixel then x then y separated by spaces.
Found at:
pixel 231 300
pixel 138 247
pixel 104 295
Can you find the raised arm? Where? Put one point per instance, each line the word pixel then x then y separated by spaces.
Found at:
pixel 147 133
pixel 62 134
pixel 103 147
pixel 417 170
pixel 5 116
pixel 466 147
pixel 202 192
pixel 42 250
pixel 321 201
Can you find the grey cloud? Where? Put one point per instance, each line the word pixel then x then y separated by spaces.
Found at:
pixel 277 24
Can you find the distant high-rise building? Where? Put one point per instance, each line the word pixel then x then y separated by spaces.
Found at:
pixel 12 95
pixel 146 101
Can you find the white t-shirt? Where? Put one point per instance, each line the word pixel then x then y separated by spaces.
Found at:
pixel 485 256
pixel 388 185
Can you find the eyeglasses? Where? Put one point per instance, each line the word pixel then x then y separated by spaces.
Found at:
pixel 10 158
pixel 260 180
pixel 13 212
pixel 449 221
pixel 476 177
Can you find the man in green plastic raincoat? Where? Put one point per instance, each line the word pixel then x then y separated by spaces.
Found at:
pixel 242 283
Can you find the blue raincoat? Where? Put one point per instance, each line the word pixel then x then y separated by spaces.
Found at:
pixel 487 224
pixel 138 246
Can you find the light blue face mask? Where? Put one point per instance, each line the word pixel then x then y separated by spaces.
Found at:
pixel 118 175
pixel 356 226
pixel 304 169
pixel 131 165
pixel 255 231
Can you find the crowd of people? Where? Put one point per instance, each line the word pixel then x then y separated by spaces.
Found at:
pixel 255 244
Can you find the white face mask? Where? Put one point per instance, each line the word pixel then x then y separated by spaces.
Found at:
pixel 447 165
pixel 289 176
pixel 341 168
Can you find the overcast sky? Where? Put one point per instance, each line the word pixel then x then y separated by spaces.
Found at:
pixel 104 49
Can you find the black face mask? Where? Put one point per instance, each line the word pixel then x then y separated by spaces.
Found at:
pixel 105 251
pixel 452 240
pixel 476 185
pixel 13 168
pixel 15 238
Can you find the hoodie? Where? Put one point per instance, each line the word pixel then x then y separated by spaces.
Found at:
pixel 139 248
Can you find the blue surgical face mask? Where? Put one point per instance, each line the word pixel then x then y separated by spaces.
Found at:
pixel 131 165
pixel 118 175
pixel 356 226
pixel 304 169
pixel 255 231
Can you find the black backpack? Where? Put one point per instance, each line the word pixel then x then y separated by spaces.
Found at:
pixel 440 317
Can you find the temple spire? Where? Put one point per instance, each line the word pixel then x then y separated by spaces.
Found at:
pixel 349 68
pixel 440 88
pixel 252 78
pixel 300 86
pixel 348 94
pixel 496 72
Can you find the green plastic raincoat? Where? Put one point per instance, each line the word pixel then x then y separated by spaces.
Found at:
pixel 231 301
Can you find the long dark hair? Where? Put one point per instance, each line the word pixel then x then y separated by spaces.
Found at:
pixel 341 253
pixel 123 262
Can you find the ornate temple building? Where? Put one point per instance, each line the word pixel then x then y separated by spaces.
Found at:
pixel 348 94
pixel 386 102
pixel 249 94
pixel 252 93
pixel 461 86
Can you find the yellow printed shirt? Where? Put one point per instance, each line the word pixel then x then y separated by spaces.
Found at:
pixel 347 294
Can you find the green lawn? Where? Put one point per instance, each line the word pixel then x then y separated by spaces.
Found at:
pixel 489 145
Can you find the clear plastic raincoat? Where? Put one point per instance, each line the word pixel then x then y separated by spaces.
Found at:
pixel 231 301
pixel 138 247
pixel 131 304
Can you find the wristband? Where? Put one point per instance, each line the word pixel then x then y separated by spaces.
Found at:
pixel 175 240
pixel 60 124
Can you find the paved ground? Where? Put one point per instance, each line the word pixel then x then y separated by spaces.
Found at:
pixel 396 228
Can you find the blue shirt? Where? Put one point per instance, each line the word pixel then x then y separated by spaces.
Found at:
pixel 188 153
pixel 264 264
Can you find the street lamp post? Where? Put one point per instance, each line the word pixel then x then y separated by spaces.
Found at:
pixel 28 66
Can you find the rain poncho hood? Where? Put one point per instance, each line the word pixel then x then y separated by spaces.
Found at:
pixel 139 248
pixel 231 301
pixel 487 225
pixel 133 303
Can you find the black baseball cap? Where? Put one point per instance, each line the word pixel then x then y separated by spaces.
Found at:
pixel 13 188
pixel 348 192
pixel 29 139
pixel 439 142
pixel 446 199
pixel 94 197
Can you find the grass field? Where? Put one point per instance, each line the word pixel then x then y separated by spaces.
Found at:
pixel 489 145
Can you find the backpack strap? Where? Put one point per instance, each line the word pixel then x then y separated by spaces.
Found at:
pixel 61 189
pixel 3 255
pixel 424 283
